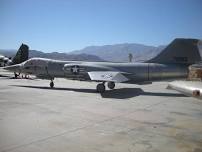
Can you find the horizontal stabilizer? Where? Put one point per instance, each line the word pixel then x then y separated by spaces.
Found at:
pixel 108 76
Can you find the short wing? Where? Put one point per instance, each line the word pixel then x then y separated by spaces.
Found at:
pixel 107 76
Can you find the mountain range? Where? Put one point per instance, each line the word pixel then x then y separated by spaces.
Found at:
pixel 54 55
pixel 120 52
pixel 112 53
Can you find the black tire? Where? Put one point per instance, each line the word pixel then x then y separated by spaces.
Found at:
pixel 111 85
pixel 51 84
pixel 100 88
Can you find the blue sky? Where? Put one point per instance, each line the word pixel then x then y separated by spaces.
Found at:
pixel 66 25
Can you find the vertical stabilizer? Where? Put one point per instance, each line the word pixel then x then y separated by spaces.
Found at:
pixel 180 51
pixel 21 55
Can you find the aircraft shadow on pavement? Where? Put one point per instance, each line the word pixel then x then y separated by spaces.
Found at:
pixel 64 89
pixel 121 93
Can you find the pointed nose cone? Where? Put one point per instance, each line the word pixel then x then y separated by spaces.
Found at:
pixel 13 68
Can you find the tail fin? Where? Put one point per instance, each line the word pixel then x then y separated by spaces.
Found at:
pixel 21 55
pixel 180 51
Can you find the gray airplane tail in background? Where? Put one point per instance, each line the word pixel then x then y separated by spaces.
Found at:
pixel 21 55
pixel 180 51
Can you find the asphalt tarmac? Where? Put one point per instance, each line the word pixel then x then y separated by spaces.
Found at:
pixel 72 117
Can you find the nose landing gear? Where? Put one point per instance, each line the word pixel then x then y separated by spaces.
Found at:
pixel 51 84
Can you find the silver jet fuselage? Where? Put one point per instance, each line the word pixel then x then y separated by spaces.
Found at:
pixel 135 72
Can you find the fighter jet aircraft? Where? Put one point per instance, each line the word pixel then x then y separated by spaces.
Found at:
pixel 171 63
pixel 21 56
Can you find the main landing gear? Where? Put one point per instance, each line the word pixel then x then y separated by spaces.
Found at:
pixel 101 86
pixel 51 84
pixel 111 85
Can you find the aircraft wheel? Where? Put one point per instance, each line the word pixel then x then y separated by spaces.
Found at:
pixel 51 84
pixel 111 85
pixel 100 88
